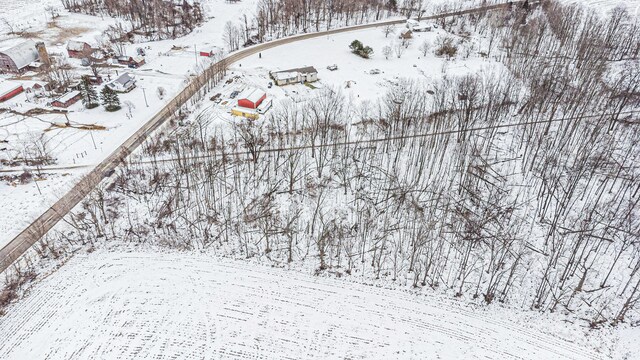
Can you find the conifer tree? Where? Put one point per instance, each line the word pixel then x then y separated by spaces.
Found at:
pixel 90 97
pixel 110 99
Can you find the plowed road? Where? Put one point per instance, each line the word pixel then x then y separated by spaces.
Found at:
pixel 29 236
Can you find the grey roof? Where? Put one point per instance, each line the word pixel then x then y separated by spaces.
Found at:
pixel 302 70
pixel 124 79
pixel 22 54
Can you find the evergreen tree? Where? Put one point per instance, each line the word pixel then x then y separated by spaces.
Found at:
pixel 89 95
pixel 110 99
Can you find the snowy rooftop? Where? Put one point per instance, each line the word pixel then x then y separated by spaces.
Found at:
pixel 285 75
pixel 22 54
pixel 76 45
pixel 68 96
pixel 302 70
pixel 124 79
pixel 253 95
pixel 8 86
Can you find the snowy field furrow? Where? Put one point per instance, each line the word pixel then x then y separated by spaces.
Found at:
pixel 167 306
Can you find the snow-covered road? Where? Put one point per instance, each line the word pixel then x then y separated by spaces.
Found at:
pixel 192 306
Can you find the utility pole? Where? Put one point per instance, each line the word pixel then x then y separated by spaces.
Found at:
pixel 93 140
pixel 145 96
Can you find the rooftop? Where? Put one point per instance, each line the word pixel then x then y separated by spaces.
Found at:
pixel 76 45
pixel 8 86
pixel 252 95
pixel 68 96
pixel 302 70
pixel 22 54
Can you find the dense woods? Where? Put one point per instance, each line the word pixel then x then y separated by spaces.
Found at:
pixel 153 19
pixel 520 185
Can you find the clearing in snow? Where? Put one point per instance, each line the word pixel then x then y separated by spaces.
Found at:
pixel 181 305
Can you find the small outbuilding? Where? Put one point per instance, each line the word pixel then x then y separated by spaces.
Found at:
pixel 125 83
pixel 16 59
pixel 79 49
pixel 39 89
pixel 9 89
pixel 251 98
pixel 67 99
pixel 131 61
pixel 245 113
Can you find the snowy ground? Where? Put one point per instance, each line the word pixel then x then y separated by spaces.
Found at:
pixel 148 305
pixel 165 67
pixel 633 6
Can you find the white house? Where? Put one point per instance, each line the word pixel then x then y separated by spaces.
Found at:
pixel 125 83
pixel 293 76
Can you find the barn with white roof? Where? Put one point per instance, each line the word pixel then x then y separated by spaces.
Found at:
pixel 16 59
pixel 251 98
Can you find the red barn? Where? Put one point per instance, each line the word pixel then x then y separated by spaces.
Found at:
pixel 78 49
pixel 9 90
pixel 67 99
pixel 251 98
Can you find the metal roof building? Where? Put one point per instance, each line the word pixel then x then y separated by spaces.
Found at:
pixel 16 59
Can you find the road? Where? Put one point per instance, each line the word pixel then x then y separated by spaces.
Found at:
pixel 45 222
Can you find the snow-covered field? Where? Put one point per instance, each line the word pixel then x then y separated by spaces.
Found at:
pixel 147 305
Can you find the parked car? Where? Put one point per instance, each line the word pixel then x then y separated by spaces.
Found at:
pixel 216 98
pixel 234 94
pixel 333 67
pixel 374 71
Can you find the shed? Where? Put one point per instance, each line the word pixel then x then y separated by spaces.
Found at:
pixel 9 89
pixel 251 98
pixel 245 113
pixel 78 49
pixel 131 61
pixel 17 58
pixel 125 83
pixel 67 99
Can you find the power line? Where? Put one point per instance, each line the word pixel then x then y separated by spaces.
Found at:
pixel 392 138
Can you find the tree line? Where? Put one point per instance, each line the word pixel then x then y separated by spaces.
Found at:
pixel 515 185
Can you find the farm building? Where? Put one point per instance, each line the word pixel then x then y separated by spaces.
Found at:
pixel 67 99
pixel 244 112
pixel 39 89
pixel 125 83
pixel 293 76
pixel 9 89
pixel 17 59
pixel 251 98
pixel 131 61
pixel 211 52
pixel 78 49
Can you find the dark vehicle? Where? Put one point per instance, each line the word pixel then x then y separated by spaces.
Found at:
pixel 108 173
pixel 216 98
pixel 234 94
